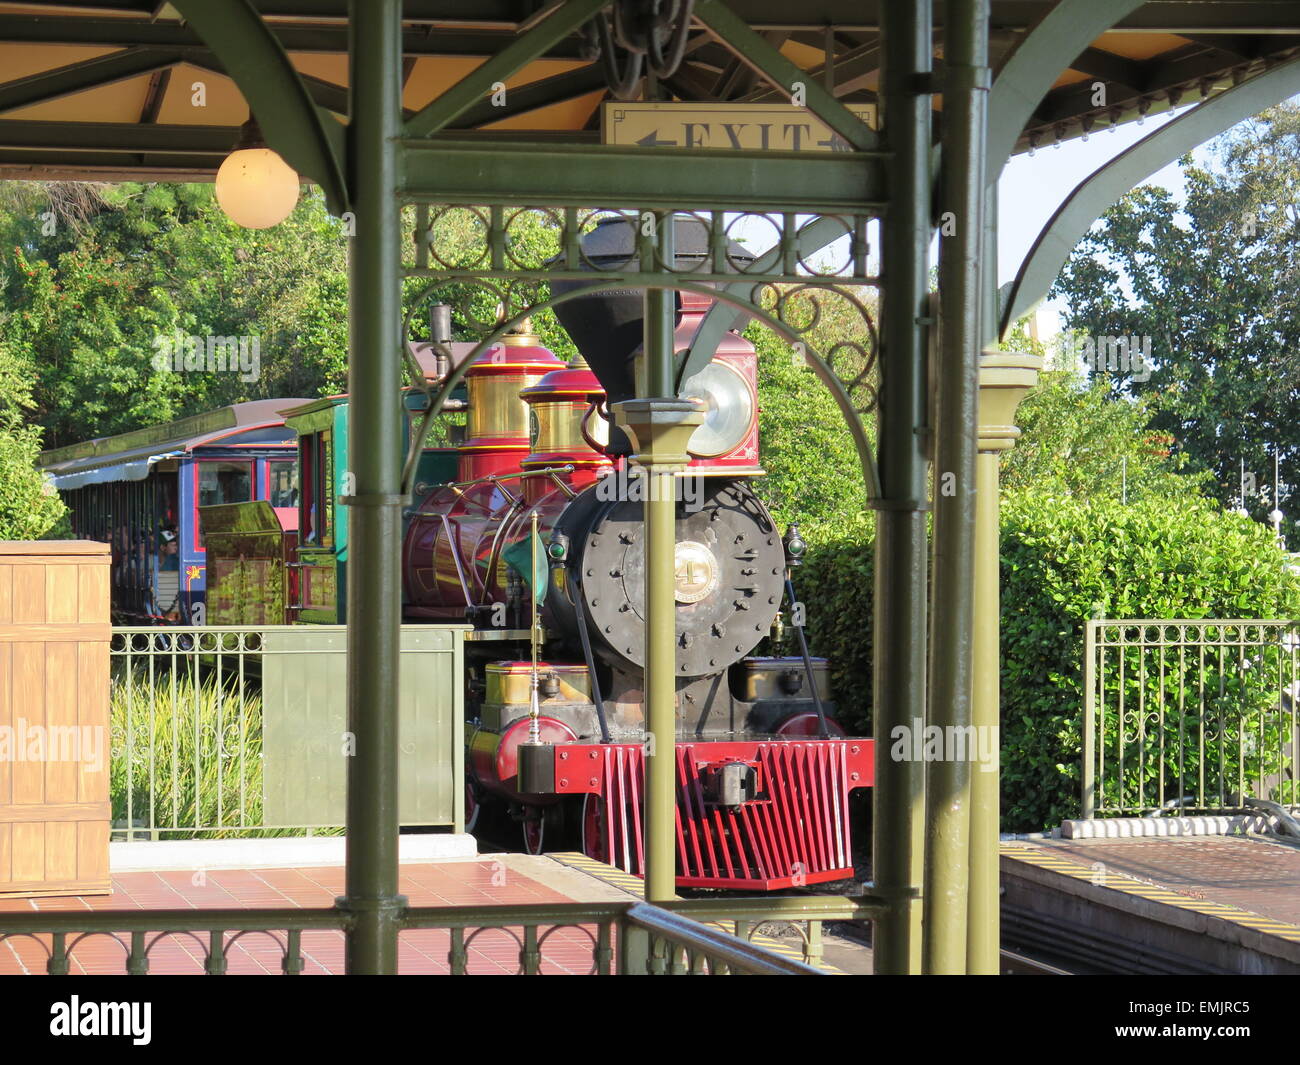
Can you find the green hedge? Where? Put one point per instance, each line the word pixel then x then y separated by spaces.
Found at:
pixel 813 470
pixel 1063 561
pixel 835 584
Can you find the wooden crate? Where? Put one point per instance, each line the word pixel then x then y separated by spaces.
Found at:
pixel 54 683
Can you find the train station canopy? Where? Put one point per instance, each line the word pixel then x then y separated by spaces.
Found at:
pixel 504 107
pixel 127 90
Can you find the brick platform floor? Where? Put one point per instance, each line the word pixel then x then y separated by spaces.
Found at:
pixel 487 881
pixel 1253 875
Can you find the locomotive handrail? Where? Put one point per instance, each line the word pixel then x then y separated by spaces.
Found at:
pixel 494 556
pixel 454 544
pixel 497 478
pixel 584 637
pixel 568 491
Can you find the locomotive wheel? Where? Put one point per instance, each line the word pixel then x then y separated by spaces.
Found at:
pixel 539 824
pixel 593 828
pixel 544 826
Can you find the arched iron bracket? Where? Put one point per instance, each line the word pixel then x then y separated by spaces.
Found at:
pixel 819 366
pixel 308 137
pixel 1034 66
pixel 1017 90
pixel 1104 186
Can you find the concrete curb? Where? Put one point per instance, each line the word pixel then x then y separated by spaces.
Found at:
pixel 306 851
pixel 1150 827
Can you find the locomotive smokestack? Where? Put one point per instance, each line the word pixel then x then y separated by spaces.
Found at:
pixel 607 326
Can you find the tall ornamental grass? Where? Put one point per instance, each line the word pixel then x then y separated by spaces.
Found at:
pixel 187 754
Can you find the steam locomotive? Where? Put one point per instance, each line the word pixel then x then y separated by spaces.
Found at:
pixel 542 513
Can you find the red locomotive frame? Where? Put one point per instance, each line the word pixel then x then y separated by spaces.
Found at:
pixel 795 832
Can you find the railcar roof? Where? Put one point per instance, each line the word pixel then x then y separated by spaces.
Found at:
pixel 128 456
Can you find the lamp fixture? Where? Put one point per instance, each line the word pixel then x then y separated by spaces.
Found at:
pixel 255 187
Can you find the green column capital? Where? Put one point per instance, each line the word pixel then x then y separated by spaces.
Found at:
pixel 1005 379
pixel 659 429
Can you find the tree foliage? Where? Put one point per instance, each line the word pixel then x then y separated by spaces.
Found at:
pixel 1082 441
pixel 1215 282
pixel 88 294
pixel 814 476
pixel 28 509
pixel 1065 561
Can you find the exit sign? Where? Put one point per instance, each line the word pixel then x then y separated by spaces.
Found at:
pixel 747 127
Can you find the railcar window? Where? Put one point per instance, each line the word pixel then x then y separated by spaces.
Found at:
pixel 224 482
pixel 284 484
pixel 307 502
pixel 325 484
pixel 314 510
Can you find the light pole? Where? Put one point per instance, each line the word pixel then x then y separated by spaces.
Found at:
pixel 1275 515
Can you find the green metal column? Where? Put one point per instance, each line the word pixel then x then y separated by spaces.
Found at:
pixel 374 447
pixel 660 310
pixel 984 918
pixel 899 621
pixel 660 429
pixel 1005 378
pixel 660 687
pixel 961 201
pixel 661 605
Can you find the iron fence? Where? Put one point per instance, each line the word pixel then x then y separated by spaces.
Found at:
pixel 1195 715
pixel 232 731
pixel 625 938
pixel 185 722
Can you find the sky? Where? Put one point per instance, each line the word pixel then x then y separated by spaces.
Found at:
pixel 1036 185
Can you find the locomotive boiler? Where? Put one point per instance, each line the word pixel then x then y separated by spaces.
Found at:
pixel 543 520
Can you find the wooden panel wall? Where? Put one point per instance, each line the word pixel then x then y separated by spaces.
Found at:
pixel 54 732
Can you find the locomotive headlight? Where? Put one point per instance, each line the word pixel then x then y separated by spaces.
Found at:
pixel 729 409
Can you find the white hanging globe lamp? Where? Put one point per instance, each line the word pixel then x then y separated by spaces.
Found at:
pixel 255 187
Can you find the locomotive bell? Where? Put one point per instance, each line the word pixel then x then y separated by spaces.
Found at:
pixel 607 326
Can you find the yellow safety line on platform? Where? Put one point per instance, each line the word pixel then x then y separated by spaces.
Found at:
pixel 1075 868
pixel 635 885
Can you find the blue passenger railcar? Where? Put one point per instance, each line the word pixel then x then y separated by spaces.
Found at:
pixel 140 492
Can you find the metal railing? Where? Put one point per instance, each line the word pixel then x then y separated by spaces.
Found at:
pixel 624 938
pixel 1193 715
pixel 227 731
pixel 185 718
